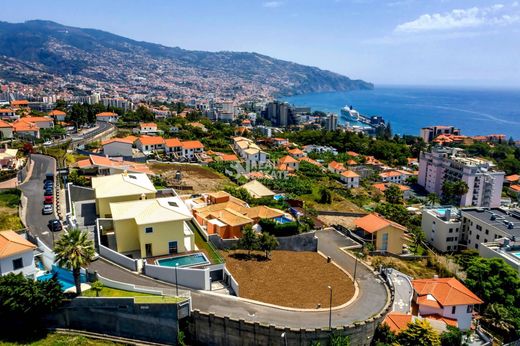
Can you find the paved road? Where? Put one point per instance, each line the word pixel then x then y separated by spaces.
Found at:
pixel 403 291
pixel 371 300
pixel 33 190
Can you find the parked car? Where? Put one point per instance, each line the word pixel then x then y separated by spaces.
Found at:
pixel 47 209
pixel 48 184
pixel 49 192
pixel 47 143
pixel 55 225
pixel 48 200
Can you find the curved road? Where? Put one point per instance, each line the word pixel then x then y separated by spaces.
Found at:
pixel 371 300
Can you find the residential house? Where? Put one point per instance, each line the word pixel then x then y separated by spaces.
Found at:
pixel 8 114
pixel 311 161
pixel 16 255
pixel 57 115
pixel 288 163
pixel 394 176
pixel 442 227
pixel 385 235
pixel 8 158
pixel 447 298
pixel 146 129
pixel 258 190
pixel 20 104
pixel 350 178
pixel 120 188
pixel 249 151
pixel 6 130
pixel 190 149
pixel 511 179
pixel 25 129
pixel 297 153
pixel 173 146
pixel 150 144
pixel 336 167
pixel 280 142
pixel 398 322
pixel 381 187
pixel 152 227
pixel 118 147
pixel 41 122
pixel 109 117
pixel 102 165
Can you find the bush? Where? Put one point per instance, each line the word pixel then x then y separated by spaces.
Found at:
pixel 279 229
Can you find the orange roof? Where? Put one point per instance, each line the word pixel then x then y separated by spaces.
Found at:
pixel 117 140
pixel 337 166
pixel 383 186
pixel 12 243
pixel 287 159
pixel 515 188
pixel 296 151
pixel 104 161
pixel 196 124
pixel 192 145
pixel 397 321
pixel 278 139
pixel 429 301
pixel 372 223
pixel 512 178
pixel 352 153
pixel 151 140
pixel 309 160
pixel 436 317
pixel 6 110
pixel 229 157
pixel 350 174
pixel 172 142
pixel 247 121
pixel 24 126
pixel 56 112
pixel 19 103
pixel 5 124
pixel 37 119
pixel 106 114
pixel 446 291
pixel 284 167
pixel 147 125
pixel 84 163
pixel 370 160
pixel 390 174
pixel 351 162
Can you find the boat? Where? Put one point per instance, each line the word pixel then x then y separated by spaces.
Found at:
pixel 348 113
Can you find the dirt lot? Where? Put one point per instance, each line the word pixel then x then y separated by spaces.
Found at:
pixel 291 279
pixel 344 221
pixel 195 178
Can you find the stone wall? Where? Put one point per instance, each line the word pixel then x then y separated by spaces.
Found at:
pixel 208 329
pixel 121 317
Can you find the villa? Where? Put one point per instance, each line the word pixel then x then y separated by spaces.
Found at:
pixel 350 178
pixel 101 165
pixel 288 163
pixel 258 190
pixel 150 144
pixel 146 128
pixel 118 146
pixel 385 235
pixel 336 167
pixel 108 117
pixel 58 115
pixel 16 255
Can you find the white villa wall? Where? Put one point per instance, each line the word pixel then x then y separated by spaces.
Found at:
pixel 117 149
pixel 28 269
pixel 461 315
pixel 193 278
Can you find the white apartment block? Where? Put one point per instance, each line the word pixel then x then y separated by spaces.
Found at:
pixel 450 164
pixel 442 227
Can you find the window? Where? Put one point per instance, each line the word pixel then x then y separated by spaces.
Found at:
pixel 487 231
pixel 449 248
pixel 449 239
pixel 476 246
pixel 485 240
pixel 478 236
pixel 479 227
pixel 451 230
pixel 17 263
pixel 469 309
pixel 148 230
pixel 384 245
pixel 453 309
pixel 172 247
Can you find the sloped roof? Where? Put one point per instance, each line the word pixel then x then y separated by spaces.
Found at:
pixel 445 291
pixel 118 140
pixel 172 142
pixel 257 189
pixel 56 112
pixel 296 151
pixel 4 124
pixel 106 114
pixel 374 222
pixel 192 145
pixel 150 211
pixel 336 166
pixel 515 188
pixel 12 243
pixel 37 119
pixel 151 140
pixel 311 161
pixel 512 178
pixel 263 212
pixel 350 174
pixel 122 185
pixel 397 321
pixel 287 159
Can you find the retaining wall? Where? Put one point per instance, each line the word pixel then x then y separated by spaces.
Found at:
pixel 192 278
pixel 125 286
pixel 300 242
pixel 80 193
pixel 116 257
pixel 230 280
pixel 121 317
pixel 48 257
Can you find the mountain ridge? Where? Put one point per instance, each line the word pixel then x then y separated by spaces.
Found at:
pixel 61 51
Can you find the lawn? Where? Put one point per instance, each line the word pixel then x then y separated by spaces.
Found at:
pixel 9 201
pixel 291 279
pixel 142 298
pixel 55 339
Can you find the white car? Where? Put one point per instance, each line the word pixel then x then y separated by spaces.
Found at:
pixel 47 143
pixel 47 209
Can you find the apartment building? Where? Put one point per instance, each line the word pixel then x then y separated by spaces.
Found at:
pixel 249 152
pixel 431 132
pixel 442 227
pixel 450 164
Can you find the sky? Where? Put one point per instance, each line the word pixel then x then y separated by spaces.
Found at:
pixel 399 42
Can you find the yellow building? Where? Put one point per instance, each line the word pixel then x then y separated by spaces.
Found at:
pixel 121 188
pixel 152 227
pixel 386 235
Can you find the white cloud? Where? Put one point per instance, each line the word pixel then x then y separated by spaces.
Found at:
pixel 461 18
pixel 272 4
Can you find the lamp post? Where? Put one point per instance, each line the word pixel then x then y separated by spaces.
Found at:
pixel 330 308
pixel 284 337
pixel 355 267
pixel 176 282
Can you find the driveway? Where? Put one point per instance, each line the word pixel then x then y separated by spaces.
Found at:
pixel 33 190
pixel 403 291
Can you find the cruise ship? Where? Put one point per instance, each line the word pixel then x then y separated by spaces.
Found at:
pixel 348 113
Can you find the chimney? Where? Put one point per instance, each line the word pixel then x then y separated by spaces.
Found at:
pixel 435 277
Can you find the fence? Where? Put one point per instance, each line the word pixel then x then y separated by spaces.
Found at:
pixel 192 278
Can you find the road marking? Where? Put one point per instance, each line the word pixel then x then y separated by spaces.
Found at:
pixel 45 232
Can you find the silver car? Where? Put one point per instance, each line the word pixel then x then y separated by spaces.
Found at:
pixel 47 209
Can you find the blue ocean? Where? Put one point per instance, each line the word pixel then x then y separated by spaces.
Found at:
pixel 474 111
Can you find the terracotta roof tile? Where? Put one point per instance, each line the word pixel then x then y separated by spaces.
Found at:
pixel 446 291
pixel 373 222
pixel 12 243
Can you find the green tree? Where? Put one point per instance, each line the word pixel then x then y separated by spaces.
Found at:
pixel 393 194
pixel 452 191
pixel 249 240
pixel 339 340
pixel 419 333
pixel 97 286
pixel 451 337
pixel 74 251
pixel 268 243
pixel 325 195
pixel 384 336
pixel 500 319
pixel 432 198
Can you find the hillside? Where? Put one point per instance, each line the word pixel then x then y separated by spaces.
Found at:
pixel 43 50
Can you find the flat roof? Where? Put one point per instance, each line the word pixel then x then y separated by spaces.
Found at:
pixel 498 218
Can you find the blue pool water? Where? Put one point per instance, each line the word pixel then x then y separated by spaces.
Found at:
pixel 283 219
pixel 517 254
pixel 184 261
pixel 64 277
pixel 278 197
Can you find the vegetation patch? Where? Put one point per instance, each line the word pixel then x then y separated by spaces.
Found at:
pixel 9 202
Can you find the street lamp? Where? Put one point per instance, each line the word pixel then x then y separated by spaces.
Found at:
pixel 355 267
pixel 176 284
pixel 284 337
pixel 330 309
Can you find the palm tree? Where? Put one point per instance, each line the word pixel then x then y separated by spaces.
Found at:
pixel 432 198
pixel 74 251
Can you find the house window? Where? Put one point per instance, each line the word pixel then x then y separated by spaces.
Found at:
pixel 148 230
pixel 479 227
pixel 17 263
pixel 469 310
pixel 478 236
pixel 384 245
pixel 453 309
pixel 172 247
pixel 451 230
pixel 487 231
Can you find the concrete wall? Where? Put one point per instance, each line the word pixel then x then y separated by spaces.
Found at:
pixel 80 193
pixel 48 256
pixel 116 257
pixel 208 329
pixel 125 286
pixel 193 278
pixel 230 280
pixel 121 317
pixel 300 242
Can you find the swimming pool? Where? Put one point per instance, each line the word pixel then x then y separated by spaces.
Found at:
pixel 64 277
pixel 516 254
pixel 283 219
pixel 183 261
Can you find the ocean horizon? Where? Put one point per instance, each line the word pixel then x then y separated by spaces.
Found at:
pixel 476 111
